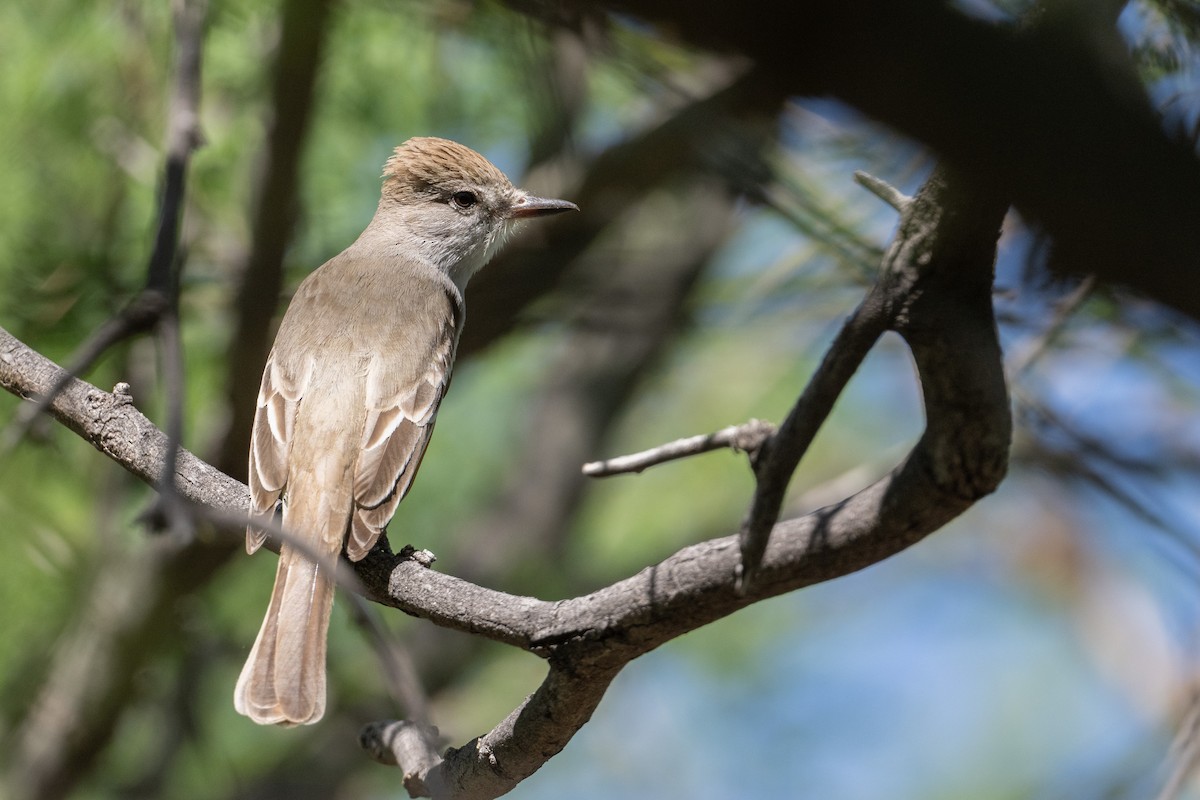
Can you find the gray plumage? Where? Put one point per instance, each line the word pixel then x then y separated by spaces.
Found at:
pixel 350 393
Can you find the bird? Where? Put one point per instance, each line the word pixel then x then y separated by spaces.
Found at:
pixel 350 392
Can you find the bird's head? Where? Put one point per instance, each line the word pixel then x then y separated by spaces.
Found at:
pixel 453 205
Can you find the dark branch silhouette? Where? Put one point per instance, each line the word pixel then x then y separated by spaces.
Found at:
pixel 936 284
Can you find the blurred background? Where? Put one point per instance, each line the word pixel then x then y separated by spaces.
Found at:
pixel 1045 645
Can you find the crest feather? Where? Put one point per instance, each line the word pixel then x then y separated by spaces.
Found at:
pixel 428 164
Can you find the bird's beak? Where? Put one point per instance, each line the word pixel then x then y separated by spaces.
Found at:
pixel 527 205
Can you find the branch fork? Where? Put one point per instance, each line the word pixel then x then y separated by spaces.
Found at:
pixel 934 290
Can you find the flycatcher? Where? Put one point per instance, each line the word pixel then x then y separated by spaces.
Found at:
pixel 350 393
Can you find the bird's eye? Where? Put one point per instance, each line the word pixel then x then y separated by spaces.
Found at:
pixel 464 199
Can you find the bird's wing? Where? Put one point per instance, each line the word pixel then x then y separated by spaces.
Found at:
pixel 271 441
pixel 400 418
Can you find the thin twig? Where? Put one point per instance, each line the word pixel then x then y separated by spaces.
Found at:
pixel 923 244
pixel 167 512
pixel 883 190
pixel 140 315
pixel 1063 311
pixel 158 297
pixel 781 453
pixel 115 427
pixel 779 456
pixel 183 137
pixel 1184 755
pixel 402 680
pixel 747 437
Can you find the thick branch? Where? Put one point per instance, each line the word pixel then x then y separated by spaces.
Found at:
pixel 942 308
pixel 940 228
pixel 781 454
pixel 114 427
pixel 936 293
pixel 620 314
pixel 1042 114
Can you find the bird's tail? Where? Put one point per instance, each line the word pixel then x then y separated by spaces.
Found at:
pixel 283 681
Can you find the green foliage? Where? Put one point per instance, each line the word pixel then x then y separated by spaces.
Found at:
pixel 83 89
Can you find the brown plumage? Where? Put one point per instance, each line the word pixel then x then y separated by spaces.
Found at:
pixel 350 394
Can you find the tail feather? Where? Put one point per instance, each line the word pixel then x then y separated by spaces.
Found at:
pixel 283 681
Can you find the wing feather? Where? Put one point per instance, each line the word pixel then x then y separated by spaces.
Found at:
pixel 271 442
pixel 399 423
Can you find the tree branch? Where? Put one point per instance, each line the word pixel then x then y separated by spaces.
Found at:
pixel 621 314
pixel 158 297
pixel 939 273
pixel 111 424
pixel 883 190
pixel 410 745
pixel 936 292
pixel 1040 112
pixel 780 454
pixel 747 437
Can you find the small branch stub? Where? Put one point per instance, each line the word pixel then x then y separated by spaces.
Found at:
pixel 883 190
pixel 411 746
pixel 423 557
pixel 122 393
pixel 748 438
